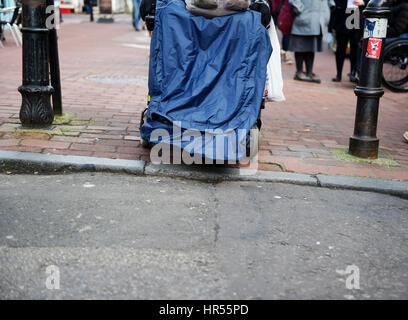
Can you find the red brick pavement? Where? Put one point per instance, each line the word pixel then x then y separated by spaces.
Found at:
pixel 297 135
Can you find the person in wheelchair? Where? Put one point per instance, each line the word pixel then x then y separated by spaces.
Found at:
pixel 207 74
pixel 398 20
pixel 398 26
pixel 231 7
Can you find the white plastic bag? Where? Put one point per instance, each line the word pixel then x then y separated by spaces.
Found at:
pixel 274 81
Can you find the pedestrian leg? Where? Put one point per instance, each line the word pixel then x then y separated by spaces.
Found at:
pixel 342 40
pixel 300 75
pixel 285 47
pixel 309 60
pixel 299 57
pixel 354 50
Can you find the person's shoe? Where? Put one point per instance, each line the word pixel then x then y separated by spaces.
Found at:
pixel 336 79
pixel 287 61
pixel 300 76
pixel 286 57
pixel 314 78
pixel 357 77
pixel 406 136
pixel 352 77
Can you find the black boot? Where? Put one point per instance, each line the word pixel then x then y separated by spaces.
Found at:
pixel 352 77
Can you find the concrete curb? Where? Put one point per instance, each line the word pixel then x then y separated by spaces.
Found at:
pixel 27 162
pixel 213 174
pixel 393 187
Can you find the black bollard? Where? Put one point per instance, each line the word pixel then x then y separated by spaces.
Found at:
pixel 54 63
pixel 36 111
pixel 364 142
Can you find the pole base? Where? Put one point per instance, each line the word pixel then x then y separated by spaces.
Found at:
pixel 366 148
pixel 36 110
pixel 105 19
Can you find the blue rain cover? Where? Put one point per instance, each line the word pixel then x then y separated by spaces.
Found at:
pixel 205 75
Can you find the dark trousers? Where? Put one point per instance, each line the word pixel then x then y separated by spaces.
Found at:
pixel 307 58
pixel 342 40
pixel 285 42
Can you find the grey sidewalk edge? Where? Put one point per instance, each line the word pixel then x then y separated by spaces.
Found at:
pixel 393 187
pixel 215 173
pixel 27 162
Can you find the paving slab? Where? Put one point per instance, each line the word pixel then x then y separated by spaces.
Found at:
pixel 296 154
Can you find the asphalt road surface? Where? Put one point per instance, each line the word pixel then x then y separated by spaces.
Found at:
pixel 119 236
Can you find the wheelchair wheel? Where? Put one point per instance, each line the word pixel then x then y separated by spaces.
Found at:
pixel 395 67
pixel 144 143
pixel 253 140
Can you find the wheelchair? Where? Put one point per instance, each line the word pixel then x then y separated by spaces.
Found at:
pixel 252 138
pixel 395 66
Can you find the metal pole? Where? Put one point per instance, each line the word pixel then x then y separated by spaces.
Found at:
pixel 36 111
pixel 54 63
pixel 364 142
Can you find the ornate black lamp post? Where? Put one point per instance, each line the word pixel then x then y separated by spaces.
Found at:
pixel 364 142
pixel 36 111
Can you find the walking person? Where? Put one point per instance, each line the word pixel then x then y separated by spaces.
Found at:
pixel 136 14
pixel 286 59
pixel 1 26
pixel 361 6
pixel 398 20
pixel 276 6
pixel 309 27
pixel 345 35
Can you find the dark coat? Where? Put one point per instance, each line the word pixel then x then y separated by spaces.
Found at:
pixel 339 17
pixel 398 21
